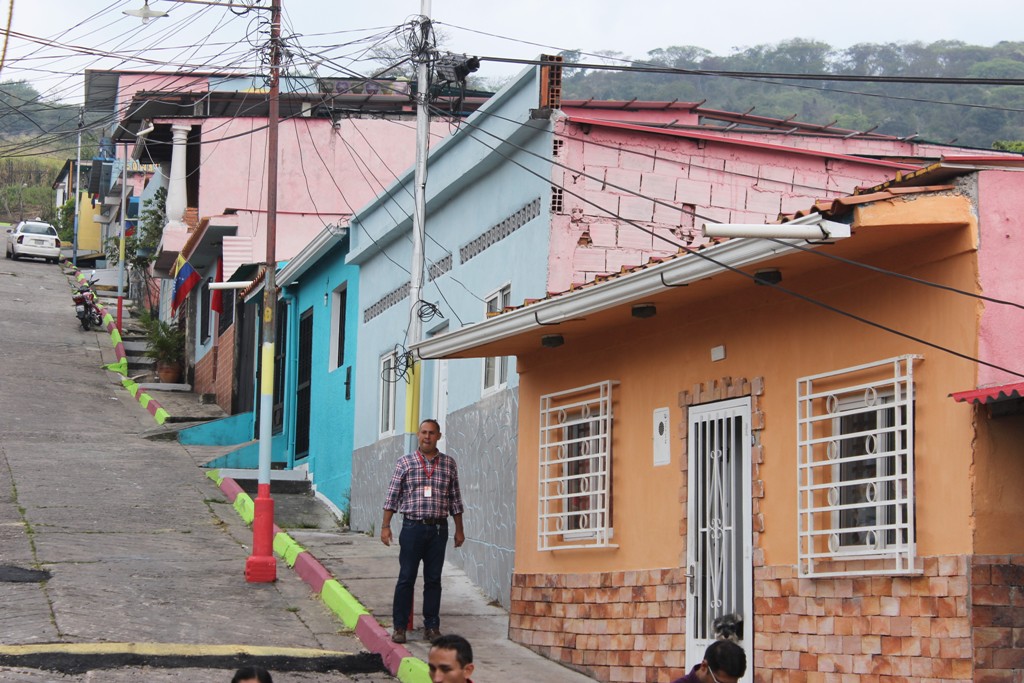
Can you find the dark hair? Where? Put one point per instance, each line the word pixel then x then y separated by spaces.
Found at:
pixel 433 422
pixel 726 656
pixel 247 673
pixel 463 650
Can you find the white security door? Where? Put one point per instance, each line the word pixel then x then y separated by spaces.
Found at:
pixel 718 544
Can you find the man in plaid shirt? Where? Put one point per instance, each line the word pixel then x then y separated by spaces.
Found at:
pixel 425 489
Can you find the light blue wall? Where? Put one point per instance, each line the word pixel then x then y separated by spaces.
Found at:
pixel 331 414
pixel 470 188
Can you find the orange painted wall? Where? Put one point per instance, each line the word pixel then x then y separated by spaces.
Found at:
pixel 768 334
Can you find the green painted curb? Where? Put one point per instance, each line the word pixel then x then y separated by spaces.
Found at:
pixel 215 476
pixel 161 416
pixel 342 602
pixel 287 547
pixel 244 506
pixel 413 670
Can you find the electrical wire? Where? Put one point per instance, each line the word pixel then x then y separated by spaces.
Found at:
pixel 472 126
pixel 697 215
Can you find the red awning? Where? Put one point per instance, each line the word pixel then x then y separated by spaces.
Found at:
pixel 991 394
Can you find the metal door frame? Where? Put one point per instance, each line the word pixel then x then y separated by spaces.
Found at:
pixel 719 413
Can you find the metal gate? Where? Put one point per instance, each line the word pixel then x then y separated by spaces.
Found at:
pixel 719 546
pixel 303 388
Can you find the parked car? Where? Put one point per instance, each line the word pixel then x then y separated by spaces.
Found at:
pixel 35 239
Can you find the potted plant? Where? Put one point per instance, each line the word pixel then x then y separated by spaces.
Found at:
pixel 165 345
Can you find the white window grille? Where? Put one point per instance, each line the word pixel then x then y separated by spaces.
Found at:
pixel 855 470
pixel 496 369
pixel 387 381
pixel 575 479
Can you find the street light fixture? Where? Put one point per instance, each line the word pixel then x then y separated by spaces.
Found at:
pixel 145 13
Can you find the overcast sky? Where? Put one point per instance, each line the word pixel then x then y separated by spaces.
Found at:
pixel 215 38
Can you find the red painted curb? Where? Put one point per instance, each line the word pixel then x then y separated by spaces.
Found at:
pixel 311 571
pixel 231 489
pixel 376 639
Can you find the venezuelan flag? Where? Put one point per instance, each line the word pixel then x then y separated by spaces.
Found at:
pixel 185 278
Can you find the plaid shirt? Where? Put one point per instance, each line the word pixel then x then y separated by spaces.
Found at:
pixel 405 492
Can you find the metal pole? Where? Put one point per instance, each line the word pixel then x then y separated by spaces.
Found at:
pixel 261 567
pixel 78 191
pixel 419 218
pixel 120 248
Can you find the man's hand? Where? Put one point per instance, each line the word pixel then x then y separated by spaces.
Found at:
pixel 385 535
pixel 460 537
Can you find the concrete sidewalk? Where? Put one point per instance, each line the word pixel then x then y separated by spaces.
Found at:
pixel 368 570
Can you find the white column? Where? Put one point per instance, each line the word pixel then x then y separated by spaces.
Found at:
pixel 177 197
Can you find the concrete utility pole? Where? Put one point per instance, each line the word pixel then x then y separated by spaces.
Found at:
pixel 78 192
pixel 419 218
pixel 261 567
pixel 120 247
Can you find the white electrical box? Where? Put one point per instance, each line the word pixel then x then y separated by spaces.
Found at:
pixel 662 451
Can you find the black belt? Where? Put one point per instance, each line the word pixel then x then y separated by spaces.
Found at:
pixel 428 521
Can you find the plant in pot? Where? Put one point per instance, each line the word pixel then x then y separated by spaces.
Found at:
pixel 165 345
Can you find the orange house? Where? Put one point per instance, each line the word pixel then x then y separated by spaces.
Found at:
pixel 764 427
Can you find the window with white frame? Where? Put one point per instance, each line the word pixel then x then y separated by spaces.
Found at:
pixel 855 470
pixel 388 379
pixel 496 369
pixel 339 305
pixel 575 478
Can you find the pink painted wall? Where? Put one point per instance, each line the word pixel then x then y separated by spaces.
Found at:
pixel 720 181
pixel 1001 266
pixel 129 84
pixel 325 173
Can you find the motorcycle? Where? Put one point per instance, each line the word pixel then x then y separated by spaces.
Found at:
pixel 85 306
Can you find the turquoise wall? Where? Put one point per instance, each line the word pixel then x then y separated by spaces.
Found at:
pixel 331 413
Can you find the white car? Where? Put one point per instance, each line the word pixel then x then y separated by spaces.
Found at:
pixel 35 239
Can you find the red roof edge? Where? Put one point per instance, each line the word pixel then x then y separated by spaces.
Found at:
pixel 990 394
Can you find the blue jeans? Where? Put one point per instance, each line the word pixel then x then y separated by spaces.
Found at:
pixel 427 544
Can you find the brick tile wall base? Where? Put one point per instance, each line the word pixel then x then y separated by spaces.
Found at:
pixel 225 369
pixel 616 626
pixel 962 619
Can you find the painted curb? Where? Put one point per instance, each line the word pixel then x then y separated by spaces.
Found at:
pixel 413 670
pixel 311 571
pixel 245 507
pixel 342 603
pixel 374 637
pixel 377 639
pixel 286 547
pixel 121 366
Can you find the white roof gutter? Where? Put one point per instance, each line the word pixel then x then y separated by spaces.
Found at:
pixel 631 287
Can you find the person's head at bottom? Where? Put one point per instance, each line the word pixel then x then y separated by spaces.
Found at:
pixel 252 674
pixel 450 660
pixel 724 662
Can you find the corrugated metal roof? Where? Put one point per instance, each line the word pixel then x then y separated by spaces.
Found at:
pixel 988 395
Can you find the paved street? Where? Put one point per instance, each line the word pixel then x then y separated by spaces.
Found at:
pixel 139 545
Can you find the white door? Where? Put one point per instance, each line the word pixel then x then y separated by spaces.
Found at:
pixel 718 544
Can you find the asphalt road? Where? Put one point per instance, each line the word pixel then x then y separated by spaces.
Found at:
pixel 145 561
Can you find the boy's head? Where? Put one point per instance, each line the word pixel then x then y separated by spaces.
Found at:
pixel 252 673
pixel 724 662
pixel 451 660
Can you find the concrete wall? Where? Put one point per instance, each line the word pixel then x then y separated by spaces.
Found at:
pixel 371 468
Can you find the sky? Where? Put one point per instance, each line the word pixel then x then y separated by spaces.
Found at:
pixel 195 35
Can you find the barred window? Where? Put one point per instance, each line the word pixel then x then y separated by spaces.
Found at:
pixel 855 470
pixel 575 506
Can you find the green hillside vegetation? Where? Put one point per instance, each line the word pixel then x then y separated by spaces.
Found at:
pixel 898 109
pixel 36 138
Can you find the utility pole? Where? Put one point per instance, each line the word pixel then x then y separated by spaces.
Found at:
pixel 120 246
pixel 261 567
pixel 419 217
pixel 78 180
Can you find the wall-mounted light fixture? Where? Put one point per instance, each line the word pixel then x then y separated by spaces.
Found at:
pixel 768 276
pixel 551 341
pixel 644 310
pixel 813 228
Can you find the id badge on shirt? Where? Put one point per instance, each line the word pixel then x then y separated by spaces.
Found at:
pixel 428 491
